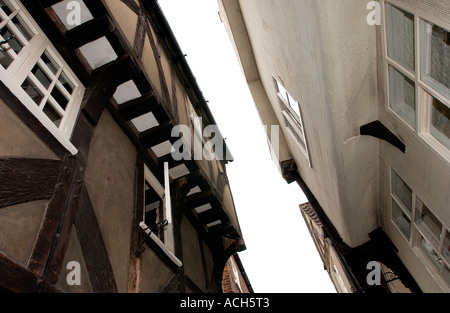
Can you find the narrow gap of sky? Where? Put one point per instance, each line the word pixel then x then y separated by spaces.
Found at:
pixel 281 256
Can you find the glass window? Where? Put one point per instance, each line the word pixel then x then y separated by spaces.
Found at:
pixel 435 57
pixel 52 114
pixel 402 96
pixel 13 43
pixel 430 252
pixel 153 210
pixel 66 83
pixel 440 122
pixel 51 64
pixel 5 59
pixel 23 29
pixel 292 118
pixel 402 192
pixel 426 221
pixel 400 36
pixel 42 79
pixel 33 91
pixel 6 7
pixel 59 98
pixel 401 219
pixel 41 76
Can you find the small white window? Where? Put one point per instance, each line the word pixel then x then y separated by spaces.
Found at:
pixel 434 54
pixel 157 216
pixel 37 75
pixel 292 118
pixel 418 75
pixel 420 227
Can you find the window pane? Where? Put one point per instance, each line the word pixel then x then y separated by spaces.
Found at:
pixel 435 58
pixel 6 33
pixel 32 91
pixel 5 59
pixel 51 64
pixel 26 32
pixel 430 252
pixel 59 98
pixel 41 76
pixel 67 84
pixel 401 219
pixel 294 105
pixel 402 192
pixel 296 132
pixel 52 114
pixel 402 96
pixel 440 122
pixel 427 222
pixel 6 7
pixel 282 92
pixel 400 36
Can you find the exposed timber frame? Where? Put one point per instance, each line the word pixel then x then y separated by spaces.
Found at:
pixel 69 202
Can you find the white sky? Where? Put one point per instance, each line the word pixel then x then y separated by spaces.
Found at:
pixel 281 256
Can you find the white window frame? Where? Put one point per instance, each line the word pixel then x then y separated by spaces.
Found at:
pixel 424 92
pixel 168 245
pixel 417 231
pixel 20 69
pixel 293 118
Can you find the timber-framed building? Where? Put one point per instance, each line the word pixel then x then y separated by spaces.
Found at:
pixel 89 94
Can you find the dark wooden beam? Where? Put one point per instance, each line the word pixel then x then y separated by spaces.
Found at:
pixel 82 136
pixel 200 198
pixel 53 217
pixel 105 82
pixel 212 215
pixel 93 247
pixel 65 230
pixel 225 229
pixel 379 130
pixel 96 7
pixel 89 31
pixel 135 267
pixel 156 135
pixel 25 180
pixel 195 178
pixel 161 115
pixel 49 3
pixel 15 278
pixel 137 107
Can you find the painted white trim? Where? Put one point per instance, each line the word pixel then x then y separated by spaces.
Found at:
pixel 423 89
pixel 154 182
pixel 174 259
pixel 20 69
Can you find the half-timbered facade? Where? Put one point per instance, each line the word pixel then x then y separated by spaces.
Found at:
pixel 91 198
